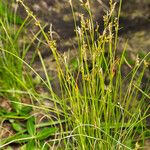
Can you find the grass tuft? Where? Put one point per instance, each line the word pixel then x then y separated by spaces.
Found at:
pixel 97 106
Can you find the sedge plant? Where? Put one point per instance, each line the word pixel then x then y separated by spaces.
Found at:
pixel 98 107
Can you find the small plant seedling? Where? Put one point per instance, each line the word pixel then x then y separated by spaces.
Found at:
pixel 29 135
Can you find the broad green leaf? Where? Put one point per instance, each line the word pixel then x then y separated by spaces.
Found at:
pixel 17 127
pixel 12 138
pixel 45 133
pixel 31 126
pixel 30 145
pixel 22 138
pixel 17 138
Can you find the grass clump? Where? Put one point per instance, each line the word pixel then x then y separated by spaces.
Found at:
pixel 98 107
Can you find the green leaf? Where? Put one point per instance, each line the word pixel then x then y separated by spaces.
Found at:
pixel 31 126
pixel 45 133
pixel 25 110
pixel 13 115
pixel 13 137
pixel 17 138
pixel 22 138
pixel 17 127
pixel 30 145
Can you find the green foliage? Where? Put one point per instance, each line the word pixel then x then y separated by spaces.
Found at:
pixel 9 15
pixel 30 145
pixel 17 127
pixel 28 134
pixel 31 126
pixel 97 107
pixel 45 133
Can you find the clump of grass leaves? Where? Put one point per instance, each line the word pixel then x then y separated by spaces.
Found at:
pixel 98 107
